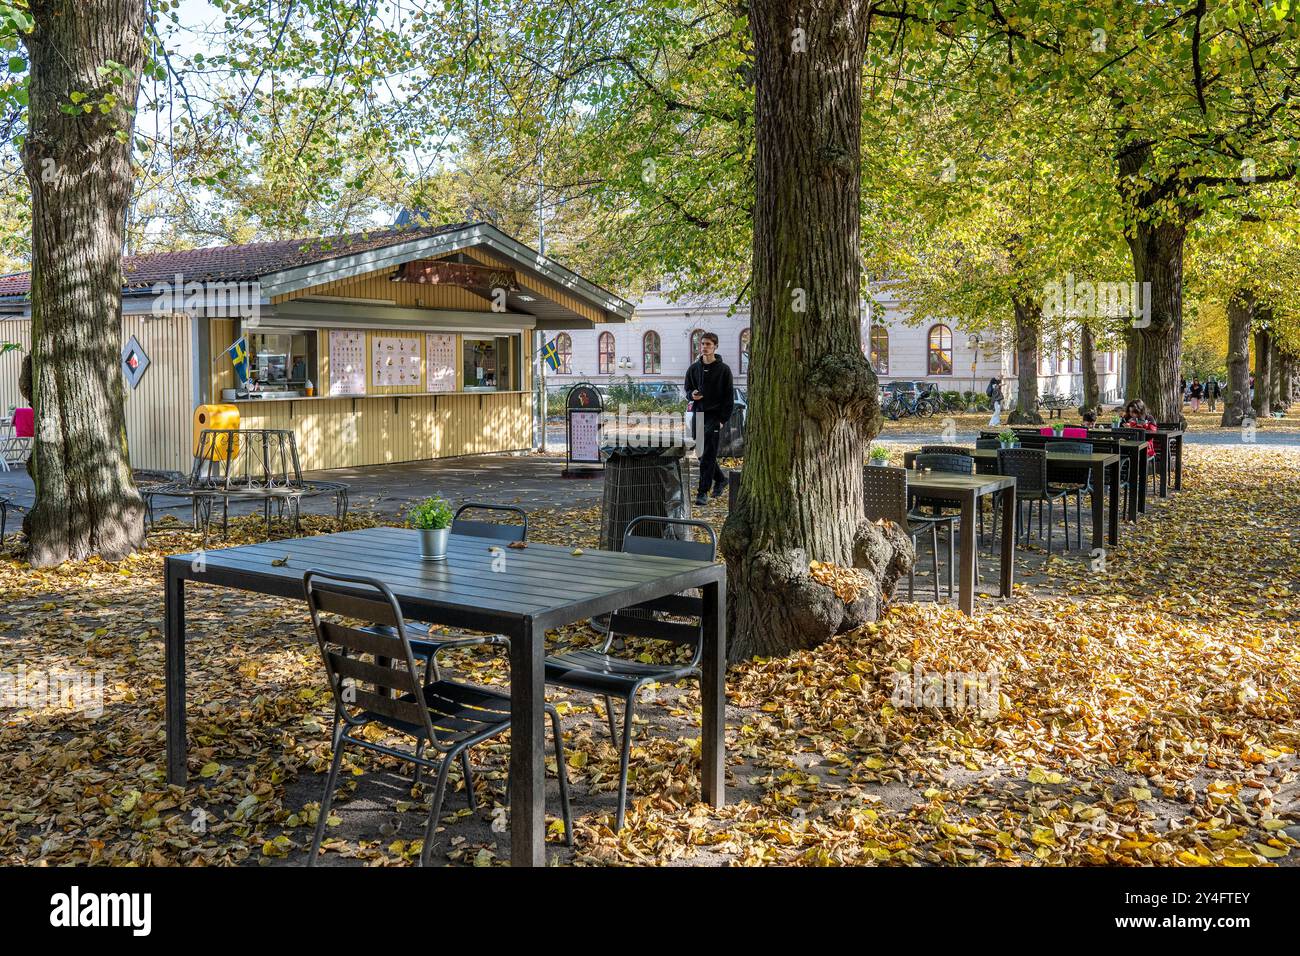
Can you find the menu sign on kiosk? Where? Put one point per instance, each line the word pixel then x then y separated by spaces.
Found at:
pixel 584 409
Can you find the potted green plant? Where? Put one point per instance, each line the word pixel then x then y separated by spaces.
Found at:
pixel 432 518
pixel 879 456
pixel 1116 421
pixel 1008 439
pixel 1058 429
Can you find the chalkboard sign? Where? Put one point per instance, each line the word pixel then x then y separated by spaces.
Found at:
pixel 584 409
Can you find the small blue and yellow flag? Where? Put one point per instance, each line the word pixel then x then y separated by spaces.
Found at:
pixel 552 355
pixel 239 358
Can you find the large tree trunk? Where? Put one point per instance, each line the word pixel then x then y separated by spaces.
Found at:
pixel 1028 326
pixel 1263 365
pixel 79 167
pixel 1157 339
pixel 1091 385
pixel 1285 379
pixel 1278 366
pixel 813 403
pixel 1237 400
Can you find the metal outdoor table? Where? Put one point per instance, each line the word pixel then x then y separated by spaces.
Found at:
pixel 1132 449
pixel 1097 463
pixel 543 587
pixel 968 489
pixel 1169 446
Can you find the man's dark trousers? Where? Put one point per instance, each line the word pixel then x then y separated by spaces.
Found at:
pixel 710 474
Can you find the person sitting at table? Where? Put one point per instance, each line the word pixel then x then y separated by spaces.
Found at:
pixel 1090 418
pixel 1136 416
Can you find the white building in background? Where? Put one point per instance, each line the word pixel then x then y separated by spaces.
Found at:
pixel 662 339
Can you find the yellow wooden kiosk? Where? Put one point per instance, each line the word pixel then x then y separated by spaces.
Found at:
pixel 386 346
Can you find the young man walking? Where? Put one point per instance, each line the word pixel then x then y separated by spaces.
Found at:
pixel 709 387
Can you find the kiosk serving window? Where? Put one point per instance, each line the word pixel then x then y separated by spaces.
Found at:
pixel 283 359
pixel 490 364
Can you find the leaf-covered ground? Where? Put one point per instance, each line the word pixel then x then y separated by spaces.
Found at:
pixel 1147 711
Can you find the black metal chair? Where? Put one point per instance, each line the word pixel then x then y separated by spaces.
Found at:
pixel 1076 481
pixel 386 690
pixel 982 444
pixel 885 497
pixel 600 672
pixel 945 450
pixel 1029 467
pixel 955 463
pixel 4 517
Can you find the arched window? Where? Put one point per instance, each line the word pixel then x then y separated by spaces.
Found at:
pixel 695 343
pixel 605 353
pixel 940 350
pixel 650 353
pixel 879 354
pixel 564 346
pixel 744 351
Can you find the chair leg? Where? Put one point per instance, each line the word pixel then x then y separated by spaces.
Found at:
pixel 934 543
pixel 439 788
pixel 623 762
pixel 609 719
pixel 326 802
pixel 562 772
pixel 419 768
pixel 469 780
pixel 952 557
pixel 1049 524
pixel 1065 515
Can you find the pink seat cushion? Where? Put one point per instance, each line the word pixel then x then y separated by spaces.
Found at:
pixel 1046 431
pixel 1074 432
pixel 24 423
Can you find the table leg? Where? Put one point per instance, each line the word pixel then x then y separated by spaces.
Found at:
pixel 174 642
pixel 1114 505
pixel 1178 463
pixel 1134 470
pixel 1144 471
pixel 967 558
pixel 527 758
pixel 713 693
pixel 1162 449
pixel 1097 475
pixel 1008 540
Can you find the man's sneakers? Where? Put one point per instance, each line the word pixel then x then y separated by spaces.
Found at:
pixel 701 500
pixel 719 490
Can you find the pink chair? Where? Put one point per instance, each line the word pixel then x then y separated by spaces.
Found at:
pixel 1074 433
pixel 24 423
pixel 1046 431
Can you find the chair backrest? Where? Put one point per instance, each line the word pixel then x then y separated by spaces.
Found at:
pixel 1072 447
pixel 983 443
pixel 1076 475
pixel 945 450
pixel 949 464
pixel 497 530
pixel 884 492
pixel 1073 432
pixel 655 544
pixel 24 423
pixel 1047 430
pixel 358 620
pixel 1027 465
pixel 634 621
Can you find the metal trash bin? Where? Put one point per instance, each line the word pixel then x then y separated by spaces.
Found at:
pixel 643 481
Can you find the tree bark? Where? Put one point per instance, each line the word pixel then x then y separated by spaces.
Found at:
pixel 813 405
pixel 1157 338
pixel 1286 379
pixel 79 167
pixel 1263 365
pixel 1236 402
pixel 1028 326
pixel 1091 385
pixel 1277 366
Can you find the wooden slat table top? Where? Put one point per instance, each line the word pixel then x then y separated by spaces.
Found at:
pixel 546 583
pixel 942 481
pixel 1058 457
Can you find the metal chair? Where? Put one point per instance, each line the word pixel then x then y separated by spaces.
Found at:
pixel 449 716
pixel 885 497
pixel 987 443
pixel 954 463
pixel 4 516
pixel 1076 482
pixel 600 672
pixel 1029 467
pixel 945 450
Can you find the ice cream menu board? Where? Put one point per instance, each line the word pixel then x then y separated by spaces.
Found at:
pixel 440 361
pixel 395 361
pixel 347 363
pixel 584 437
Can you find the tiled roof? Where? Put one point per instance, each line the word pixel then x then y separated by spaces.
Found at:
pixel 242 263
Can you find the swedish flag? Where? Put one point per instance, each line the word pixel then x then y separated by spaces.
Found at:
pixel 239 358
pixel 552 355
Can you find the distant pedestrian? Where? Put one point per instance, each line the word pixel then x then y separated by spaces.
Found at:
pixel 1212 391
pixel 712 394
pixel 1196 391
